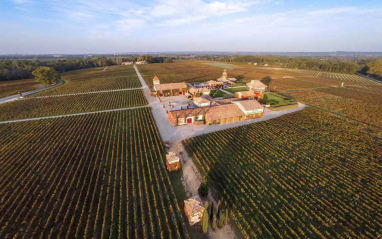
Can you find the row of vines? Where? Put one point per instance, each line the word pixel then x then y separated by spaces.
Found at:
pixel 38 107
pixel 96 79
pixel 304 175
pixel 92 176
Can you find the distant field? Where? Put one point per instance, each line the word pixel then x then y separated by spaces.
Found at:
pixel 189 71
pixel 99 175
pixel 278 79
pixel 38 107
pixel 8 88
pixel 222 65
pixel 362 103
pixel 304 175
pixel 96 79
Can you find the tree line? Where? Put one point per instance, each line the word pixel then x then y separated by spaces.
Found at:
pixel 369 66
pixel 22 69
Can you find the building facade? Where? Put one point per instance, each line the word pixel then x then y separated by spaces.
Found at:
pixel 170 89
pixel 193 209
pixel 258 87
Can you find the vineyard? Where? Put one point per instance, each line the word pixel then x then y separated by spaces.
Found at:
pixel 359 102
pixel 96 79
pixel 8 88
pixel 278 79
pixel 304 175
pixel 38 107
pixel 99 175
pixel 189 71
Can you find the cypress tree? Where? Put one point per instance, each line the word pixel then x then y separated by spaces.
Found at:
pixel 204 114
pixel 226 217
pixel 176 119
pixel 221 221
pixel 218 209
pixel 205 219
pixel 214 221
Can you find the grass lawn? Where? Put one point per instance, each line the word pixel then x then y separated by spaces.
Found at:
pixel 278 100
pixel 217 93
pixel 236 89
pixel 222 65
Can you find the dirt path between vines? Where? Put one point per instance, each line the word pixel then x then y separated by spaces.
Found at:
pixel 191 181
pixel 191 177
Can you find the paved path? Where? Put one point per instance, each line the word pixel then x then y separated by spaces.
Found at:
pixel 145 89
pixel 15 97
pixel 226 92
pixel 368 77
pixel 75 114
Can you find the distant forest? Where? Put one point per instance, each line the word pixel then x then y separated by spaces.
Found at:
pixel 22 69
pixel 304 63
pixel 14 69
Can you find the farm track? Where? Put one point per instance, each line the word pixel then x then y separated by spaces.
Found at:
pixel 15 97
pixel 84 93
pixel 75 114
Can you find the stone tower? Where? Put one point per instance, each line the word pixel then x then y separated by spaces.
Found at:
pixel 156 80
pixel 225 74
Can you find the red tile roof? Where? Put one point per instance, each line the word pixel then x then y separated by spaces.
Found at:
pixel 246 94
pixel 249 105
pixel 194 90
pixel 223 112
pixel 256 84
pixel 170 86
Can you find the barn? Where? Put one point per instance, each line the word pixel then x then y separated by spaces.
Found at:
pixel 245 95
pixel 172 162
pixel 258 87
pixel 193 209
pixel 170 89
pixel 251 108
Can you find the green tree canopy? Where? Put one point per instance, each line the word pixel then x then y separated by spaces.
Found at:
pixel 46 75
pixel 375 67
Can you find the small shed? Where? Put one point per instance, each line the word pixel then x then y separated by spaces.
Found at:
pixel 193 209
pixel 172 162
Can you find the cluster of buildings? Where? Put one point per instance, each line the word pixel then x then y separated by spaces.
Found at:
pixel 127 63
pixel 207 110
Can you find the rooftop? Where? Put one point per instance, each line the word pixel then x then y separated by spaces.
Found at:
pixel 172 158
pixel 247 93
pixel 249 105
pixel 194 205
pixel 256 84
pixel 194 90
pixel 170 86
pixel 223 112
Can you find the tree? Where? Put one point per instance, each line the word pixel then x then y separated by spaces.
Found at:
pixel 375 67
pixel 46 75
pixel 218 209
pixel 204 114
pixel 214 221
pixel 176 119
pixel 195 115
pixel 203 189
pixel 205 218
pixel 226 216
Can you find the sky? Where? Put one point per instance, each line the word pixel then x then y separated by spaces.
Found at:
pixel 118 26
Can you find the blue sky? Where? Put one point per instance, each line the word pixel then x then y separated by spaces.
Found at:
pixel 112 26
